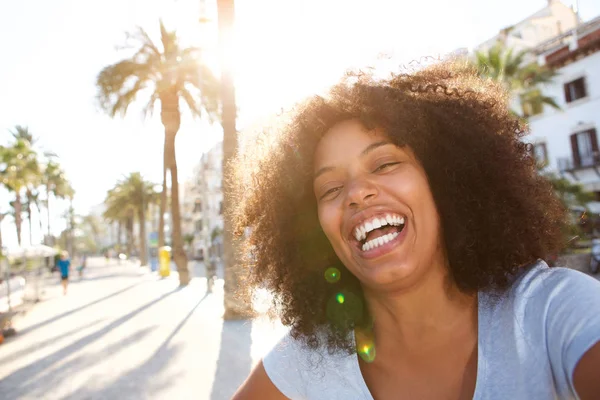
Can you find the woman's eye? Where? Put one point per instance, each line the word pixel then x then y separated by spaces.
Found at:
pixel 331 191
pixel 384 166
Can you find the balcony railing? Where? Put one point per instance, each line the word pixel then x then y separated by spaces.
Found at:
pixel 567 164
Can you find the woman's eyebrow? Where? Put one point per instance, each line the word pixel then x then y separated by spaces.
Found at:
pixel 321 171
pixel 374 146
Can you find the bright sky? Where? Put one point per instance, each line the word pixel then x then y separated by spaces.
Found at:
pixel 287 49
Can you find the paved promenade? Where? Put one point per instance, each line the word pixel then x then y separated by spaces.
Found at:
pixel 123 333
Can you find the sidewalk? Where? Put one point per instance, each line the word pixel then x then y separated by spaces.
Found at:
pixel 123 333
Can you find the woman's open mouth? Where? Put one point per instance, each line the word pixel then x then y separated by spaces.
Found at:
pixel 376 235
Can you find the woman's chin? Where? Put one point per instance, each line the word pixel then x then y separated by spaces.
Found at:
pixel 386 274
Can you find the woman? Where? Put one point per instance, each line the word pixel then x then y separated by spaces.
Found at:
pixel 401 225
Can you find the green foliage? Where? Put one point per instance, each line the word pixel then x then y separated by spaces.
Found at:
pixel 572 195
pixel 512 70
pixel 130 195
pixel 156 70
pixel 24 171
pixel 189 239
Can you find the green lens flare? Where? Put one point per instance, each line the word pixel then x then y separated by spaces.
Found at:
pixel 367 353
pixel 340 298
pixel 332 275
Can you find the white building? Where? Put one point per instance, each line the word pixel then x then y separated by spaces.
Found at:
pixel 549 22
pixel 203 205
pixel 567 139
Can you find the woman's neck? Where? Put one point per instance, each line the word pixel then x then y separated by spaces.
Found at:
pixel 426 315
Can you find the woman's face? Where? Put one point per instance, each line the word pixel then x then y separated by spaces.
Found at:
pixel 376 208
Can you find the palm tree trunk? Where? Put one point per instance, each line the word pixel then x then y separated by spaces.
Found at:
pixel 30 224
pixel 179 255
pixel 50 241
pixel 29 218
pixel 235 306
pixel 163 199
pixel 1 218
pixel 129 228
pixel 119 228
pixel 71 228
pixel 18 220
pixel 143 248
pixel 171 120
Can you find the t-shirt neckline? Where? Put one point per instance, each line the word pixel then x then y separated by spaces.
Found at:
pixel 481 364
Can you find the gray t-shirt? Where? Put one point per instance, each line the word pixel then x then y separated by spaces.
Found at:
pixel 530 340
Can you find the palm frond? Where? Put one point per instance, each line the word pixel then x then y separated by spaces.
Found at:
pixel 148 110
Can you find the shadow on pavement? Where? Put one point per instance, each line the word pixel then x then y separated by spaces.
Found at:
pixel 73 311
pixel 44 343
pixel 19 383
pixel 86 278
pixel 53 379
pixel 235 361
pixel 141 382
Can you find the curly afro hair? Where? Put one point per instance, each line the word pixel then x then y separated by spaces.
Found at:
pixel 497 213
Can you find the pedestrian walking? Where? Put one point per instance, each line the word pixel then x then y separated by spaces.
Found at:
pixel 64 266
pixel 82 265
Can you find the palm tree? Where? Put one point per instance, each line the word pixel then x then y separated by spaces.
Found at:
pixel 117 211
pixel 235 307
pixel 518 75
pixel 169 73
pixel 2 215
pixel 18 169
pixel 55 184
pixel 23 133
pixel 31 200
pixel 131 196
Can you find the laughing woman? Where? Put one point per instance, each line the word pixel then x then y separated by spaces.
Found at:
pixel 402 227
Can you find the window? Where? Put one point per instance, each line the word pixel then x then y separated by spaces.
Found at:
pixel 540 153
pixel 585 148
pixel 199 225
pixel 198 206
pixel 575 90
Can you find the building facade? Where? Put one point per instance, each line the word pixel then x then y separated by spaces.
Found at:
pixel 566 140
pixel 203 206
pixel 549 22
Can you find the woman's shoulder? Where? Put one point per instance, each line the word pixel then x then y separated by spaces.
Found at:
pixel 299 371
pixel 540 283
pixel 547 282
pixel 540 295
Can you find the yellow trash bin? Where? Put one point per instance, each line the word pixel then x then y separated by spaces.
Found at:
pixel 164 260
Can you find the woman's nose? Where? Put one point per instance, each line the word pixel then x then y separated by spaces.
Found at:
pixel 360 192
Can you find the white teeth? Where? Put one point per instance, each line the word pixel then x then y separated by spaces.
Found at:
pixel 360 233
pixel 371 244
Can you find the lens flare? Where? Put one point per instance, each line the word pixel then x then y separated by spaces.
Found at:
pixel 340 298
pixel 332 275
pixel 367 353
pixel 365 343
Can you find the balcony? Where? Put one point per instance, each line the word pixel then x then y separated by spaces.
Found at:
pixel 571 166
